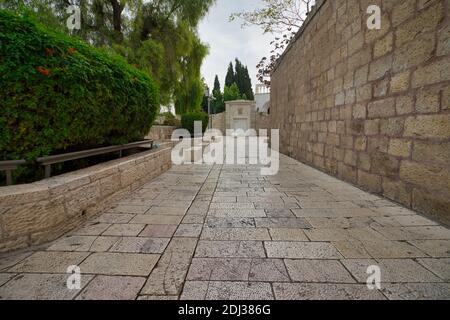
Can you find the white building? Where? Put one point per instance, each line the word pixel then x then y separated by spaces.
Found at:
pixel 262 98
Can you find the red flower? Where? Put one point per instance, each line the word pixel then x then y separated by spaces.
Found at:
pixel 71 50
pixel 43 71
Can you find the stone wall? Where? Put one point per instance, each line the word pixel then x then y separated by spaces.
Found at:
pixel 371 107
pixel 262 121
pixel 218 122
pixel 160 133
pixel 39 212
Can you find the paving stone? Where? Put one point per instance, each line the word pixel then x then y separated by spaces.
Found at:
pixel 170 211
pixel 219 269
pixel 237 213
pixel 103 244
pixel 336 234
pixel 158 231
pixel 224 199
pixel 334 213
pixel 321 291
pixel 126 264
pixel 189 230
pixel 114 218
pixel 392 270
pixel 240 205
pixel 140 245
pixel 268 270
pixel 169 275
pixel 129 209
pixel 440 267
pixel 301 250
pixel 342 223
pixel 147 297
pixel 285 234
pixel 271 205
pixel 5 277
pixel 214 222
pixel 156 219
pixel 73 243
pixel 434 248
pixel 415 233
pixel 325 271
pixel 218 290
pixel 40 287
pixel 404 221
pixel 49 262
pixel 256 234
pixel 10 260
pixel 194 290
pixel 282 223
pixel 193 219
pixel 130 230
pixel 416 291
pixel 92 229
pixel 232 249
pixel 112 288
pixel 169 203
pixel 279 213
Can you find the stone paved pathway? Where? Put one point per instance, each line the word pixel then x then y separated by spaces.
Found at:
pixel 225 232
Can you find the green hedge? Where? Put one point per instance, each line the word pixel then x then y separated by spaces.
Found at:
pixel 60 94
pixel 188 120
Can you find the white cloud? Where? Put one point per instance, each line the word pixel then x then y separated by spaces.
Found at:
pixel 227 40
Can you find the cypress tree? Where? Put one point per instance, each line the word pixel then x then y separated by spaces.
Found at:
pixel 230 78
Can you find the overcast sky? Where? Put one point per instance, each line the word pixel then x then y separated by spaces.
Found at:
pixel 227 40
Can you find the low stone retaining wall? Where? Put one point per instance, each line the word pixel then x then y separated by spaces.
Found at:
pixel 40 212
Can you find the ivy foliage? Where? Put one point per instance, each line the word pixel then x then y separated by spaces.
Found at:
pixel 59 94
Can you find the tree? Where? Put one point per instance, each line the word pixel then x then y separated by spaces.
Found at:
pixel 231 93
pixel 157 36
pixel 217 103
pixel 280 17
pixel 230 77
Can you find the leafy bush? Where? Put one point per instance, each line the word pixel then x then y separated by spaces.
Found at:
pixel 59 94
pixel 188 120
pixel 171 120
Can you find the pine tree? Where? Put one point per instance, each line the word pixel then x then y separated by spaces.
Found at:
pixel 230 78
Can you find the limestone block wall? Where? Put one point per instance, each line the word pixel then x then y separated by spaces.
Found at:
pixel 371 107
pixel 262 121
pixel 160 133
pixel 218 122
pixel 36 213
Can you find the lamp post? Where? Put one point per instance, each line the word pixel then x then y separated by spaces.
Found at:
pixel 209 105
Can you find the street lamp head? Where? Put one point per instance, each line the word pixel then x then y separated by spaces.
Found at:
pixel 206 91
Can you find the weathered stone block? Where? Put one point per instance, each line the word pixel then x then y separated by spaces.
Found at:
pixel 381 108
pixel 428 126
pixel 400 82
pixel 380 67
pixel 383 46
pixel 384 164
pixel 427 100
pixel 404 105
pixel 399 148
pixel 430 177
pixel 426 151
pixel 426 21
pixel 371 182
